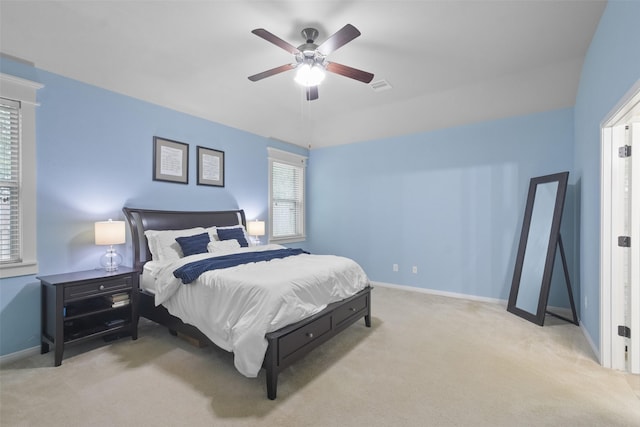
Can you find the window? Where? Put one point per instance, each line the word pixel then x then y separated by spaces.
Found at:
pixel 9 181
pixel 17 176
pixel 286 196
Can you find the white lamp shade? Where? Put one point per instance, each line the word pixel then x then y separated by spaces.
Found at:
pixel 110 232
pixel 255 228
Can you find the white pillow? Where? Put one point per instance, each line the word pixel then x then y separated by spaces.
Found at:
pixel 223 246
pixel 213 234
pixel 163 245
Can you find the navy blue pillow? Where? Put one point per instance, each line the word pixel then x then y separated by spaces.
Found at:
pixel 233 233
pixel 194 244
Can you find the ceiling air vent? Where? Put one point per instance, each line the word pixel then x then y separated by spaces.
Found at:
pixel 380 85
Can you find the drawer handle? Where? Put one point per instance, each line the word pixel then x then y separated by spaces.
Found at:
pixel 353 309
pixel 310 334
pixel 102 287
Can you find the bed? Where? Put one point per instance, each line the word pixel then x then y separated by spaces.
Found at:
pixel 290 330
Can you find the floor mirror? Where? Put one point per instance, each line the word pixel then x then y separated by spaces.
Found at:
pixel 539 239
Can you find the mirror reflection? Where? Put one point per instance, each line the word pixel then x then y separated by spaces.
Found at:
pixel 537 247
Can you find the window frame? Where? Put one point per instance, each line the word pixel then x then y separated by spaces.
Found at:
pixel 295 160
pixel 24 91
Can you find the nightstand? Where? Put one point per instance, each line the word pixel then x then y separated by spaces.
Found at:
pixel 87 304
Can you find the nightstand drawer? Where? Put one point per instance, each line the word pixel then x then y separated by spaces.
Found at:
pixel 95 288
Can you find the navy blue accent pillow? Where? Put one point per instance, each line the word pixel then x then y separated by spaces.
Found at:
pixel 233 233
pixel 194 244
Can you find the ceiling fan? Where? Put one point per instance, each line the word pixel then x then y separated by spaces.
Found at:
pixel 311 59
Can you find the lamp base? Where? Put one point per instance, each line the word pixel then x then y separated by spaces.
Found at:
pixel 111 260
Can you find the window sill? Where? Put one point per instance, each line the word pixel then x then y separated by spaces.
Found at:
pixel 25 268
pixel 294 239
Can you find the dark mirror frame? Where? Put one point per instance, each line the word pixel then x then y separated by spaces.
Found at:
pixel 554 239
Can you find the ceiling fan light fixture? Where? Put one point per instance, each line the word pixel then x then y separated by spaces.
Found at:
pixel 309 75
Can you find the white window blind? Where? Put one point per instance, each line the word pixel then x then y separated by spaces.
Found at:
pixel 18 102
pixel 10 251
pixel 287 196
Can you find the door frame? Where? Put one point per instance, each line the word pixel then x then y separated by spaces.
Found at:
pixel 610 305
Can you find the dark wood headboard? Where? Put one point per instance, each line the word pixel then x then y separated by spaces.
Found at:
pixel 141 220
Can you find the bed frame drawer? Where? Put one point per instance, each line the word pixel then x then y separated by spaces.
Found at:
pixel 353 308
pixel 304 336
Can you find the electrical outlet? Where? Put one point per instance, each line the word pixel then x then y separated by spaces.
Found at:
pixel 395 267
pixel 414 269
pixel 585 302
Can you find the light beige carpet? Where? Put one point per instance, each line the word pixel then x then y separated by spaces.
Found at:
pixel 427 361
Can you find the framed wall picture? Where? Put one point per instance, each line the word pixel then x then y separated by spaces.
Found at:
pixel 170 160
pixel 210 167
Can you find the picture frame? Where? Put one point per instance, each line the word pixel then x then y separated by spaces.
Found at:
pixel 210 167
pixel 170 160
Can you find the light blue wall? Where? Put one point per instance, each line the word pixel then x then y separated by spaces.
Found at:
pixel 611 68
pixel 94 156
pixel 450 202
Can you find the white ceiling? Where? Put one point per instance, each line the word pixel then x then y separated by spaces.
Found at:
pixel 449 62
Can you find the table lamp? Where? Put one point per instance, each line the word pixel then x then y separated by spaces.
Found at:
pixel 255 229
pixel 110 233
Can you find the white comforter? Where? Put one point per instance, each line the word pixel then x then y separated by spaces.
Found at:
pixel 235 307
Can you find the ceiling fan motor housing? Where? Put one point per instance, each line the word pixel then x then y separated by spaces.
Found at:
pixel 310 34
pixel 308 49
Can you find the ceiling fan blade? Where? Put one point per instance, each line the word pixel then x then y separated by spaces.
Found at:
pixel 338 39
pixel 312 93
pixel 352 73
pixel 261 32
pixel 271 72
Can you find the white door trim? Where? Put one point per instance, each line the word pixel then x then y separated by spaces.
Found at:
pixel 635 251
pixel 609 304
pixel 605 248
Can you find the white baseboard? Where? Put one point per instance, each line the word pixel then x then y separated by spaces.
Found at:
pixel 12 357
pixel 441 293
